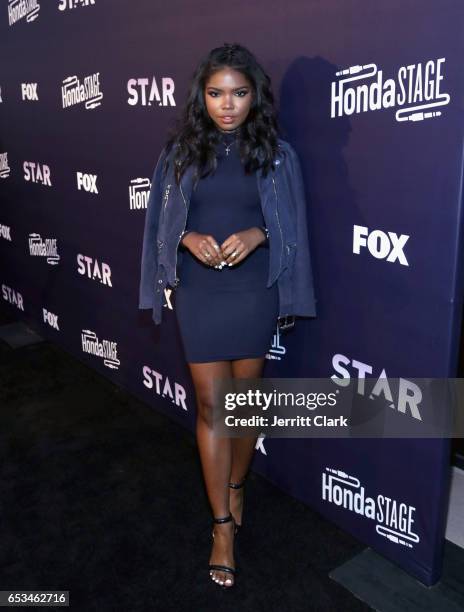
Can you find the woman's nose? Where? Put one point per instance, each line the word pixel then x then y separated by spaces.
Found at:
pixel 228 102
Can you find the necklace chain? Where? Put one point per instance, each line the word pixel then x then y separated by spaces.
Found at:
pixel 228 146
pixel 228 133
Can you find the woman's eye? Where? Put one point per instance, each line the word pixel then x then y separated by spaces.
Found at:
pixel 241 93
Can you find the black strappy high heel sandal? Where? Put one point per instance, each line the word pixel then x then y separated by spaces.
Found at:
pixel 239 485
pixel 223 568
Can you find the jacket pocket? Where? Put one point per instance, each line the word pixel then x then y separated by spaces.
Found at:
pixel 290 252
pixel 162 216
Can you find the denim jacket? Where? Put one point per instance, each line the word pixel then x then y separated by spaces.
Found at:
pixel 284 210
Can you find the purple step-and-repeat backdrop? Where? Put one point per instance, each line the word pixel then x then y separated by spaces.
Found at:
pixel 371 97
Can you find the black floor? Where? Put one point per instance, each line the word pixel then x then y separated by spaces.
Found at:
pixel 103 496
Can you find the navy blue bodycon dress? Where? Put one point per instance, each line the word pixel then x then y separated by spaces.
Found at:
pixel 228 313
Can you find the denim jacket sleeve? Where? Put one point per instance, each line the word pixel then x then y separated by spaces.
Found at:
pixel 304 300
pixel 149 259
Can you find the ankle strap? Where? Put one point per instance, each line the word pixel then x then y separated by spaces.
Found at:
pixel 224 519
pixel 236 486
pixel 239 485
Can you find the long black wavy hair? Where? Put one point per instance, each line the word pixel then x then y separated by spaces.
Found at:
pixel 195 135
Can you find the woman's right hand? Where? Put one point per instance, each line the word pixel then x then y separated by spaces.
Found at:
pixel 204 247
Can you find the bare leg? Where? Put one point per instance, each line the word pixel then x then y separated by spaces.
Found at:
pixel 242 448
pixel 215 455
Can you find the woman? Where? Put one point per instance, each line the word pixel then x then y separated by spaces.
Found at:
pixel 231 238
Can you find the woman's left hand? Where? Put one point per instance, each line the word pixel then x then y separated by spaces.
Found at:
pixel 237 246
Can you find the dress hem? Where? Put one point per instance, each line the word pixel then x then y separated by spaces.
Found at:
pixel 228 358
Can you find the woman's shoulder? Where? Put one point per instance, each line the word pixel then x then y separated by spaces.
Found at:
pixel 286 152
pixel 169 149
pixel 285 146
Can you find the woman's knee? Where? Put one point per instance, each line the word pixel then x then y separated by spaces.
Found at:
pixel 205 410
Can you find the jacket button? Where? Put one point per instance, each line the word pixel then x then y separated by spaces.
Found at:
pixel 160 281
pixel 176 282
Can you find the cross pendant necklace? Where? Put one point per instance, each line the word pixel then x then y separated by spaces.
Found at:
pixel 229 133
pixel 228 146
